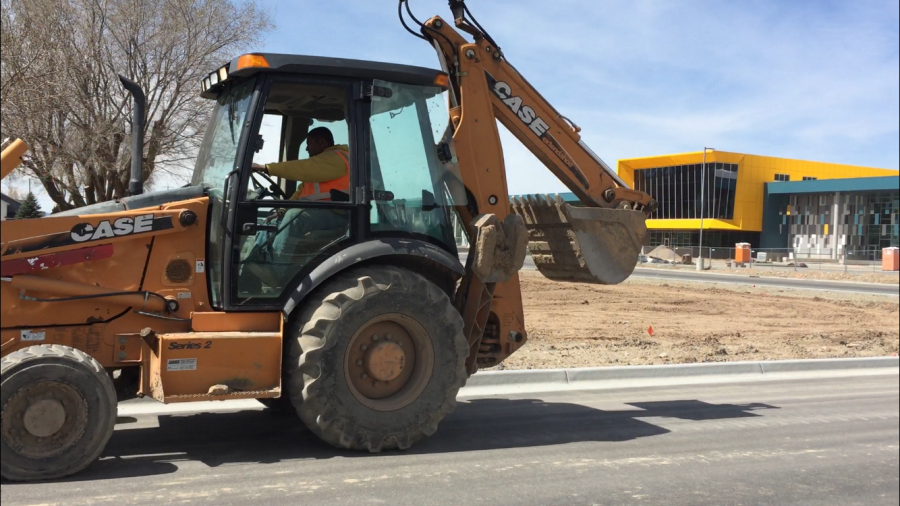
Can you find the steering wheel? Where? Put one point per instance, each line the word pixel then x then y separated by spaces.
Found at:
pixel 273 189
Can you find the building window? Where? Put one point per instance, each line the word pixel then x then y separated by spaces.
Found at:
pixel 782 177
pixel 866 222
pixel 678 190
pixel 809 178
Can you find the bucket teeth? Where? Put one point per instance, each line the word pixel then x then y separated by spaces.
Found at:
pixel 592 245
pixel 552 241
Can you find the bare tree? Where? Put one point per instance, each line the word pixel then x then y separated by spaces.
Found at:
pixel 59 89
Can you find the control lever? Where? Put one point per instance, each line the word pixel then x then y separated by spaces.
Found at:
pixel 249 228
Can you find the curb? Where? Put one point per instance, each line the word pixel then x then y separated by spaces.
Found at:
pixel 620 376
pixel 829 364
pixel 487 383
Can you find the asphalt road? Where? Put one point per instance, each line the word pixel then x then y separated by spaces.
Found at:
pixel 796 442
pixel 708 277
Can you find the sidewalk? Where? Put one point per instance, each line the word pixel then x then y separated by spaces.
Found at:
pixel 721 265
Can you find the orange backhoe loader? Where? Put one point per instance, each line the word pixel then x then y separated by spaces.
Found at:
pixel 353 309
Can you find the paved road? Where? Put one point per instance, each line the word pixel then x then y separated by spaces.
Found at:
pixel 796 442
pixel 708 277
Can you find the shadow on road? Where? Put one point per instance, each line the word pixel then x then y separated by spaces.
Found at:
pixel 261 437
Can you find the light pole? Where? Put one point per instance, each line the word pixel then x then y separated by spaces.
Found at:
pixel 702 206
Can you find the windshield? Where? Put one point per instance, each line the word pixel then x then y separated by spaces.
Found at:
pixel 217 153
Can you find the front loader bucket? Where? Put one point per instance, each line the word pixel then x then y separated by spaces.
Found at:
pixel 11 156
pixel 585 244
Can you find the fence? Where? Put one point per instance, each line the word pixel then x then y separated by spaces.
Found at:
pixel 826 259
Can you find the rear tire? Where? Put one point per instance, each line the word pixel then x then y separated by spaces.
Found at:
pixel 58 412
pixel 420 359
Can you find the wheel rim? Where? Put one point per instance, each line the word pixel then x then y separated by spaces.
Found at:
pixel 44 419
pixel 389 362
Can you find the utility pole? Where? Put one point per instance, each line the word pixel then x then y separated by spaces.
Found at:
pixel 702 207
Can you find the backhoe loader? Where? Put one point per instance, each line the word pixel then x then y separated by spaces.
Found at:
pixel 227 288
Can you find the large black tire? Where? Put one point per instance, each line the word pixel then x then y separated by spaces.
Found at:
pixel 58 412
pixel 322 393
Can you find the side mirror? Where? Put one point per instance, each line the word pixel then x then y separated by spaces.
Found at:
pixel 428 201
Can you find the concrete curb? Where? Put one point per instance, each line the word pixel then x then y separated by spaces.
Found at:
pixel 829 364
pixel 488 383
pixel 609 377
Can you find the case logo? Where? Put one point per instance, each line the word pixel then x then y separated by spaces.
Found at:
pixel 106 229
pixel 535 123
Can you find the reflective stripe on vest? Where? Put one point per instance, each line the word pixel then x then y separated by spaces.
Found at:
pixel 322 191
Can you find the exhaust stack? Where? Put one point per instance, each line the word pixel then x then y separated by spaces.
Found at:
pixel 136 183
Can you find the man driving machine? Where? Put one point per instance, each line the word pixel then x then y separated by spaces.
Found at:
pixel 326 169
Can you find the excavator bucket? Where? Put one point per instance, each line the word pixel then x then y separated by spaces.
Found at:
pixel 584 244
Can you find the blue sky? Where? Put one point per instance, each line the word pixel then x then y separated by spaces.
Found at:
pixel 814 80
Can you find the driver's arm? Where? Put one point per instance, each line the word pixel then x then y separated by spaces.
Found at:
pixel 324 167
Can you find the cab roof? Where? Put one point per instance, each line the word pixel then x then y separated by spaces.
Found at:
pixel 339 67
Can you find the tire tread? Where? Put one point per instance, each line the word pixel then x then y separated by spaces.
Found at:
pixel 313 326
pixel 22 357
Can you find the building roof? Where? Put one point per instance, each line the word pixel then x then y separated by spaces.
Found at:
pixel 858 184
pixel 9 200
pixel 712 156
pixel 12 205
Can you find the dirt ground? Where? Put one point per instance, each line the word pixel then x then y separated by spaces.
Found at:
pixel 583 325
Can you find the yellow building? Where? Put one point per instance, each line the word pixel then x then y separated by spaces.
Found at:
pixel 735 192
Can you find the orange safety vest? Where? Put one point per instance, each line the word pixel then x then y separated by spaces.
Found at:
pixel 322 191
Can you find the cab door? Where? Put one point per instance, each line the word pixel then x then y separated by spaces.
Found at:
pixel 278 238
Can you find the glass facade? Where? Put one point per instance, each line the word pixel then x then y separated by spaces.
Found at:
pixel 866 222
pixel 871 221
pixel 678 190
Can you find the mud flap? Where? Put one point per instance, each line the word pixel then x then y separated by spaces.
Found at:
pixel 586 244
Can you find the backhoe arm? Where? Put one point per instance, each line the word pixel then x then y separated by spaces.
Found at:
pixel 480 68
pixel 599 243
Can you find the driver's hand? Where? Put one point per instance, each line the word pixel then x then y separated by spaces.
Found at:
pixel 281 212
pixel 259 168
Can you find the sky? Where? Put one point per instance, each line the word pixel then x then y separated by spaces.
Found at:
pixel 814 80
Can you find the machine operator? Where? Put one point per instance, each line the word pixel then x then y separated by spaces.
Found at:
pixel 326 169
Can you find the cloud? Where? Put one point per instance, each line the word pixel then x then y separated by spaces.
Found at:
pixel 815 80
pixel 812 80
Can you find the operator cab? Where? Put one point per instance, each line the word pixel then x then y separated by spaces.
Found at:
pixel 392 118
